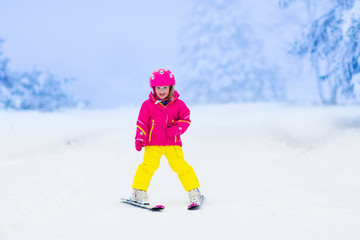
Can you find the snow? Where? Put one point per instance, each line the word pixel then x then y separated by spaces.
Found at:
pixel 268 171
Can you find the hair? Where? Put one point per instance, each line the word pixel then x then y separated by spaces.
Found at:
pixel 171 92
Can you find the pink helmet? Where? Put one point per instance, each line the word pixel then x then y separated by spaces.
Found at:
pixel 162 77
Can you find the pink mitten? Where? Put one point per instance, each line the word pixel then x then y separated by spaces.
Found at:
pixel 138 145
pixel 172 131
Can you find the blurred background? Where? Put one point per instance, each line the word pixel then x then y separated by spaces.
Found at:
pixel 99 54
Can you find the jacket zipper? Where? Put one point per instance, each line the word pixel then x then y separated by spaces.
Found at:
pixel 175 135
pixel 153 124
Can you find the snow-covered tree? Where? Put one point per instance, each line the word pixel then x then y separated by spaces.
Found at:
pixel 285 3
pixel 32 90
pixel 333 43
pixel 221 57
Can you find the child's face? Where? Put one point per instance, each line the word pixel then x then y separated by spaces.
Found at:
pixel 162 92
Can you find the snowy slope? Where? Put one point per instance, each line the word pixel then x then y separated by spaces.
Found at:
pixel 287 173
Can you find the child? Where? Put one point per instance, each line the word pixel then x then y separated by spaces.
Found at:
pixel 162 119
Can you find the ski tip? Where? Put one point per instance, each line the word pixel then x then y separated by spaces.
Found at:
pixel 159 207
pixel 193 206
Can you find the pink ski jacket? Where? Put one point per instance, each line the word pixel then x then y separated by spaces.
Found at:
pixel 154 118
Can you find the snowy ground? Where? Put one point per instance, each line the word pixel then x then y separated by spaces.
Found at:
pixel 267 171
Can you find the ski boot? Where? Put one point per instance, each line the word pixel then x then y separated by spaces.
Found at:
pixel 195 197
pixel 140 196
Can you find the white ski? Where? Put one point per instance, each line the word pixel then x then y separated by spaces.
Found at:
pixel 146 206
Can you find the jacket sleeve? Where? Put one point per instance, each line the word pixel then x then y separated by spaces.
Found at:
pixel 142 123
pixel 184 121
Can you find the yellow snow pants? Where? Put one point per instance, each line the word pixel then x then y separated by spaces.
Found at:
pixel 151 162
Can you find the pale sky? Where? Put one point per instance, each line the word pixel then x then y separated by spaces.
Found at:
pixel 109 46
